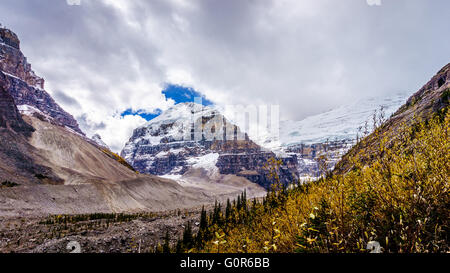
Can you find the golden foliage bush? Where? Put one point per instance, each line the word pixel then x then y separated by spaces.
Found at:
pixel 118 158
pixel 399 199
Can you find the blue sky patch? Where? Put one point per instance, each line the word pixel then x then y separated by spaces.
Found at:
pixel 143 114
pixel 177 93
pixel 182 94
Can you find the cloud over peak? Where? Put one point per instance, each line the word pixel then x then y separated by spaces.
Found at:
pixel 104 57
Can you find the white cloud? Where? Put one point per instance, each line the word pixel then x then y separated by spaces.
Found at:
pixel 115 130
pixel 305 55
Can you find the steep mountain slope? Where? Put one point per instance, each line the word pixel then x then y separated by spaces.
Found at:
pixel 163 144
pixel 16 165
pixel 86 180
pixel 24 86
pixel 50 167
pixel 428 101
pixel 191 136
pixel 57 171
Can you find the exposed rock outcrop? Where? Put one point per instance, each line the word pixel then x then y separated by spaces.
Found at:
pixel 432 97
pixel 171 143
pixel 10 118
pixel 253 166
pixel 24 86
pixel 17 164
pixel 312 156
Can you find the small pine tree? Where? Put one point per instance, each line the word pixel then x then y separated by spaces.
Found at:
pixel 188 239
pixel 202 235
pixel 228 211
pixel 166 246
pixel 203 219
pixel 215 216
pixel 179 247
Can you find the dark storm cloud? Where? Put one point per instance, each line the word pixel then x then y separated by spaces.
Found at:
pixel 65 99
pixel 84 122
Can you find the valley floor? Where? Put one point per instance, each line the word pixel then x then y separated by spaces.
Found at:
pixel 96 233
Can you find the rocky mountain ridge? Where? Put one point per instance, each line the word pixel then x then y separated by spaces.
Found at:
pixel 10 117
pixel 189 133
pixel 25 86
pixel 169 144
pixel 48 166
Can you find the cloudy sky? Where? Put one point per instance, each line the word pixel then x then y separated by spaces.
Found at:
pixel 104 58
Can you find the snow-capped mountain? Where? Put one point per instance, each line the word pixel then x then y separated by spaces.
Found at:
pixel 182 122
pixel 165 144
pixel 331 133
pixel 190 135
pixel 338 124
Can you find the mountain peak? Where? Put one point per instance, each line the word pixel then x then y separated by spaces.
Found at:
pixel 188 133
pixel 25 86
pixel 182 111
pixel 99 141
pixel 9 38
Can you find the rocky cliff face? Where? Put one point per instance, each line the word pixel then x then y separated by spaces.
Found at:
pixel 314 158
pixel 253 167
pixel 10 117
pixel 432 97
pixel 24 86
pixel 188 135
pixel 16 163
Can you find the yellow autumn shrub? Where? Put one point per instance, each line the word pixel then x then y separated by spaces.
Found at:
pixel 399 199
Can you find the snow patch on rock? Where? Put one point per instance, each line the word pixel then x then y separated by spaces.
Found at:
pixel 207 162
pixel 98 139
pixel 338 124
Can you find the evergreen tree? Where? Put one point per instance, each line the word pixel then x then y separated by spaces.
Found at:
pixel 219 214
pixel 216 219
pixel 166 246
pixel 202 235
pixel 188 239
pixel 244 199
pixel 203 219
pixel 179 247
pixel 215 214
pixel 228 211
